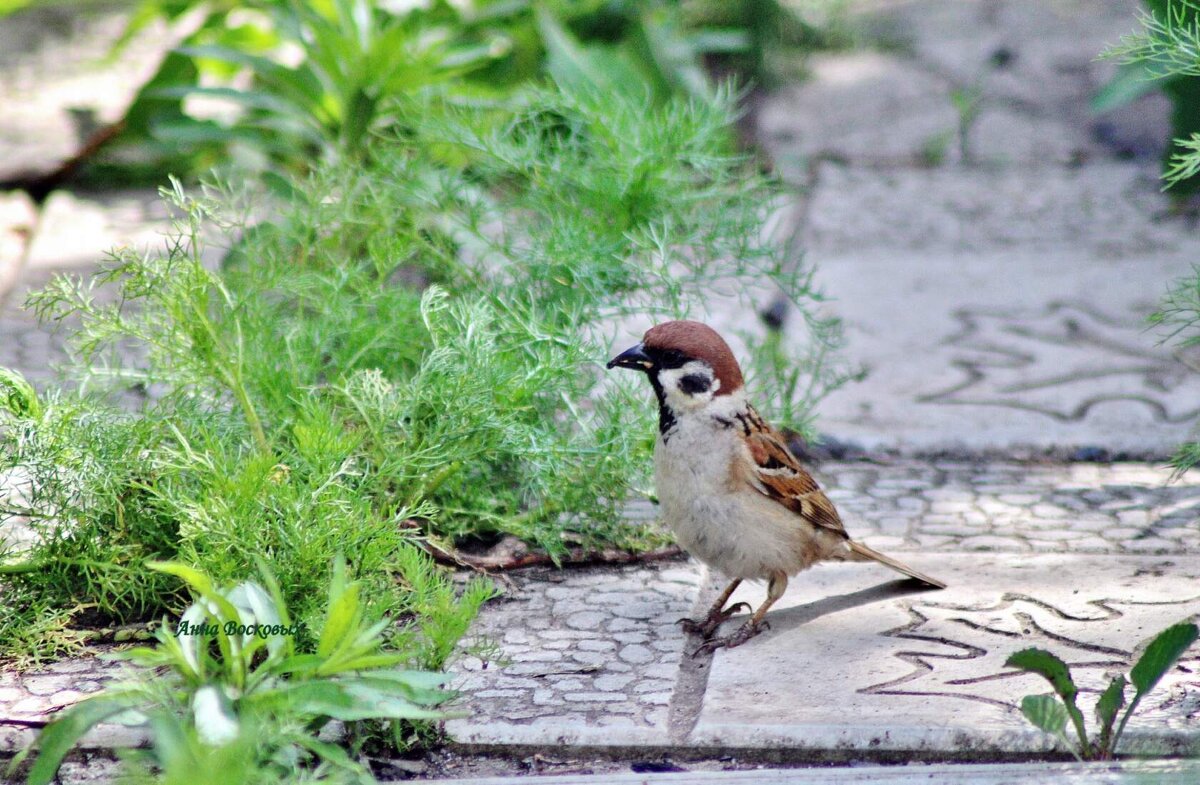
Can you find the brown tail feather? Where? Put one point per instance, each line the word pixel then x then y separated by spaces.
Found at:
pixel 863 553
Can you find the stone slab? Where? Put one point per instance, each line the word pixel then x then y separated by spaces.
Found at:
pixel 1042 53
pixel 58 82
pixel 851 665
pixel 1124 773
pixel 1108 212
pixel 78 230
pixel 588 657
pixel 1005 310
pixel 73 234
pixel 1032 65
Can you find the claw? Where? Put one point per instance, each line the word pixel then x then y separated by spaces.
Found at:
pixel 715 619
pixel 744 633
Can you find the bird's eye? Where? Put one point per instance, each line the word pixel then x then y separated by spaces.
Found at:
pixel 670 358
pixel 694 383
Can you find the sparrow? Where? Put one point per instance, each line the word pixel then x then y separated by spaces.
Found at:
pixel 728 487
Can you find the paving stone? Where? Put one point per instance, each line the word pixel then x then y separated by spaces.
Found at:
pixel 1020 349
pixel 627 672
pixel 1110 209
pixel 1049 49
pixel 77 231
pixel 823 115
pixel 850 664
pixel 1032 65
pixel 58 83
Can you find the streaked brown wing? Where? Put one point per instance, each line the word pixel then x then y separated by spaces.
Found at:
pixel 778 475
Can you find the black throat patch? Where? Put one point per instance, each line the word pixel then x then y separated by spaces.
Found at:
pixel 666 419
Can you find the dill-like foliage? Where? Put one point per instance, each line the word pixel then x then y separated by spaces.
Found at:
pixel 411 347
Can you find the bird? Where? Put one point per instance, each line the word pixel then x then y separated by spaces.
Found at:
pixel 728 487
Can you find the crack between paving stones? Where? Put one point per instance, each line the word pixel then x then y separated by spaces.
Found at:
pixel 690 685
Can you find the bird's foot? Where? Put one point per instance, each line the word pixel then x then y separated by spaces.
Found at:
pixel 716 617
pixel 744 633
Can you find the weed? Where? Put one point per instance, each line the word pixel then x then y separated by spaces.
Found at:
pixel 1051 713
pixel 232 687
pixel 409 348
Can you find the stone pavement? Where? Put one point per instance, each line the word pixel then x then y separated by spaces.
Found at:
pixel 996 289
pixel 1085 560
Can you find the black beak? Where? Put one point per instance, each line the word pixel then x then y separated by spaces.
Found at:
pixel 634 357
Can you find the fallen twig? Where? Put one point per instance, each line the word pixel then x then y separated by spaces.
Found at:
pixel 512 554
pixel 574 557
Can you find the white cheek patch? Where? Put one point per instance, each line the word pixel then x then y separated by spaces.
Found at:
pixel 677 397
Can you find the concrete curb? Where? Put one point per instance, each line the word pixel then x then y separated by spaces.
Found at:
pixel 1157 772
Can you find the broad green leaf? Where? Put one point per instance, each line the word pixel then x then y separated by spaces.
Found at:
pixel 171 744
pixel 253 99
pixel 1055 671
pixel 418 679
pixel 678 61
pixel 195 579
pixel 1049 667
pixel 1131 82
pixel 1163 651
pixel 146 110
pixel 343 612
pixel 1161 654
pixel 368 699
pixel 421 695
pixel 257 607
pixel 722 41
pixel 300 664
pixel 9 6
pixel 187 131
pixel 346 701
pixel 1111 701
pixel 330 753
pixel 297 85
pixel 264 569
pixel 190 646
pixel 57 738
pixel 1046 712
pixel 584 68
pixel 366 662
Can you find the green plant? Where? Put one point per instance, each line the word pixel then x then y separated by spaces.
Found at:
pixel 357 56
pixel 967 102
pixel 410 349
pixel 1050 713
pixel 1164 55
pixel 302 80
pixel 230 673
pixel 791 380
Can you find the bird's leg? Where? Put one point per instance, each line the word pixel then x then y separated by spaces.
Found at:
pixel 756 624
pixel 716 615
